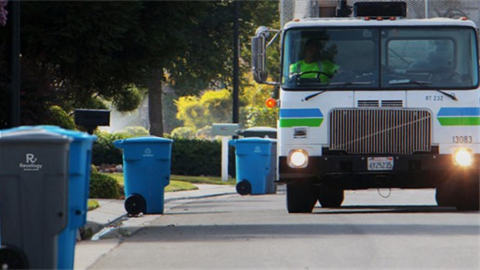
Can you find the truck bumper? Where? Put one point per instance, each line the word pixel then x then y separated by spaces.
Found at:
pixel 351 171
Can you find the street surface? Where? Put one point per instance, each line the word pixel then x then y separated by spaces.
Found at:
pixel 405 230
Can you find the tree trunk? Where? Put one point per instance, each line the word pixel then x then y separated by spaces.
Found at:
pixel 155 115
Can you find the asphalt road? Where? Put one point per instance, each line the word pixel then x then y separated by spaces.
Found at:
pixel 405 230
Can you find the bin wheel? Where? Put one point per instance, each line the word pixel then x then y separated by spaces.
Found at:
pixel 244 187
pixel 135 204
pixel 12 258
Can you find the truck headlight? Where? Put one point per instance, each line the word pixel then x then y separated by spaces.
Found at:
pixel 463 157
pixel 298 158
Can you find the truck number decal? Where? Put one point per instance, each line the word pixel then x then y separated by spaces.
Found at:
pixel 434 98
pixel 462 139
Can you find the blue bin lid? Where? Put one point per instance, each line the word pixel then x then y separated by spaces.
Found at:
pixel 75 135
pixel 142 140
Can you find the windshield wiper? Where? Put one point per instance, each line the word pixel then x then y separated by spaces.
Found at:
pixel 423 84
pixel 339 85
pixel 313 95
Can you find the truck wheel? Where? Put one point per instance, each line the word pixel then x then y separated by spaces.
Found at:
pixel 329 196
pixel 467 198
pixel 445 195
pixel 301 197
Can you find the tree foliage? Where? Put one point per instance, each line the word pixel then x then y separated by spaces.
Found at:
pixel 255 111
pixel 211 107
pixel 77 51
pixel 214 106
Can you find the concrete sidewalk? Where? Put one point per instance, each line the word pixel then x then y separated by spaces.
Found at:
pixel 111 223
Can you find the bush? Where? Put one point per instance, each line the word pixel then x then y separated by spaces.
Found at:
pixel 104 186
pixel 104 152
pixel 60 118
pixel 134 131
pixel 204 133
pixel 183 133
pixel 199 157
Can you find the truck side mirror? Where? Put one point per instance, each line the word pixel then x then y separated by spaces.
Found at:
pixel 259 59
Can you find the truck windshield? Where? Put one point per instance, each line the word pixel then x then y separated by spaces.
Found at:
pixel 380 58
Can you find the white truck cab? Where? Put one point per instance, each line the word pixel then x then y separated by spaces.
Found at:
pixel 389 103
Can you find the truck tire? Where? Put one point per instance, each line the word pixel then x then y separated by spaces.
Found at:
pixel 330 197
pixel 445 195
pixel 301 197
pixel 467 198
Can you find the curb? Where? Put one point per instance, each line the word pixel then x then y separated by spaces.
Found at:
pixel 101 231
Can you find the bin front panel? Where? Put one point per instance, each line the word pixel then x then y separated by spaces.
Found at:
pixel 33 193
pixel 137 151
pixel 78 172
pixel 147 177
pixel 254 169
pixel 250 146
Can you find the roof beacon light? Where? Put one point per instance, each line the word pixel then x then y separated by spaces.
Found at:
pixel 380 9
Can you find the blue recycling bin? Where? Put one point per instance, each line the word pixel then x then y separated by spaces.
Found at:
pixel 78 190
pixel 146 170
pixel 255 165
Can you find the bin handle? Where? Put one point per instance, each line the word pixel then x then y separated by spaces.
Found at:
pixel 118 143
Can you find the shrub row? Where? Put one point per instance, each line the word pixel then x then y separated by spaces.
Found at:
pixel 104 186
pixel 199 157
pixel 189 156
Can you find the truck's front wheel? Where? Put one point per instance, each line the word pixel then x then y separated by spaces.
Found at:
pixel 468 196
pixel 445 194
pixel 301 197
pixel 463 194
pixel 329 196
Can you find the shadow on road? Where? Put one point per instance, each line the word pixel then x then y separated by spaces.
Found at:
pixel 387 209
pixel 221 233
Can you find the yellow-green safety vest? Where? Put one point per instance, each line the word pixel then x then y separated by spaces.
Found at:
pixel 324 66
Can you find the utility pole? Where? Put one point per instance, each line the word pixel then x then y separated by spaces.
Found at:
pixel 236 48
pixel 13 70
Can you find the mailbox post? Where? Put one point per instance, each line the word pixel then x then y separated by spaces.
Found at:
pixel 225 131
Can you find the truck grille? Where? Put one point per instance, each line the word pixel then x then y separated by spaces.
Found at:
pixel 380 131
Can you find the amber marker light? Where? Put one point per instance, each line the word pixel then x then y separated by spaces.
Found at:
pixel 271 102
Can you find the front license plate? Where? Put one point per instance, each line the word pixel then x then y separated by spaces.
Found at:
pixel 380 163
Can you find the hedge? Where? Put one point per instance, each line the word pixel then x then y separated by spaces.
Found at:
pixel 104 186
pixel 189 156
pixel 199 157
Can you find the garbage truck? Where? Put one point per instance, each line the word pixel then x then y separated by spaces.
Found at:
pixel 392 100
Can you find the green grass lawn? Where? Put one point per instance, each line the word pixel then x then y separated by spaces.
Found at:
pixel 182 182
pixel 92 204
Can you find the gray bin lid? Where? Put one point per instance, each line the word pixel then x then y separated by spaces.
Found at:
pixel 260 132
pixel 25 136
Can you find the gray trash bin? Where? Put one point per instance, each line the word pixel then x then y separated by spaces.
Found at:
pixel 33 197
pixel 260 132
